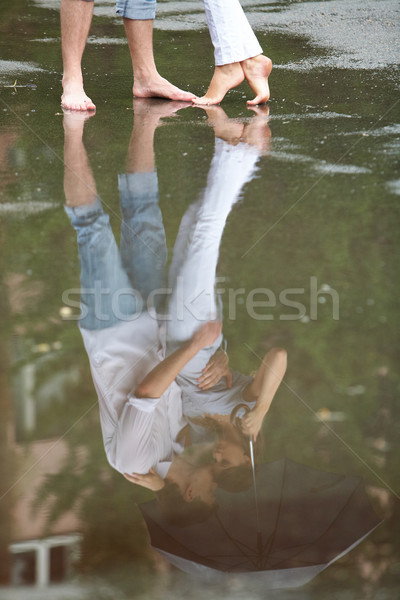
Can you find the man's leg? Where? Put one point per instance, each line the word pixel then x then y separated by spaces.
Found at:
pixel 76 17
pixel 147 82
pixel 102 274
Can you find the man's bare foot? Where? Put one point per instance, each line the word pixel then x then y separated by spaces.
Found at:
pixel 74 97
pixel 74 120
pixel 158 87
pixel 257 70
pixel 225 78
pixel 156 107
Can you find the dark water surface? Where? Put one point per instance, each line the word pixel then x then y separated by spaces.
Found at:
pixel 308 262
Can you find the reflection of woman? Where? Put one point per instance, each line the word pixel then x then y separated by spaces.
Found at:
pixel 192 275
pixel 238 54
pixel 192 279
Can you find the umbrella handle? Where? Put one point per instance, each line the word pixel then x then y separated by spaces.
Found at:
pixel 236 410
pixel 234 418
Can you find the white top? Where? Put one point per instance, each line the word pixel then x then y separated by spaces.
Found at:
pixel 138 433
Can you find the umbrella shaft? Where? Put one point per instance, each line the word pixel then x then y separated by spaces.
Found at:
pixel 259 536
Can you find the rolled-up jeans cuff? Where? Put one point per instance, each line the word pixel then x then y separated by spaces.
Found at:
pixel 84 214
pixel 137 10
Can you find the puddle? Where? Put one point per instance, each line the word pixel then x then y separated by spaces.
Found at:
pixel 305 257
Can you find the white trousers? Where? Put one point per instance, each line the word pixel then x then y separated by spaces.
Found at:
pixel 194 262
pixel 232 37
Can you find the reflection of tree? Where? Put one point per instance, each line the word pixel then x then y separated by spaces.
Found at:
pixel 7 465
pixel 113 530
pixel 344 239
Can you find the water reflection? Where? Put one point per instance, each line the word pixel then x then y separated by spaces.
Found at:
pixel 299 522
pixel 166 392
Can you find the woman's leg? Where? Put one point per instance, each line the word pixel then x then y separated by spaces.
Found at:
pixel 238 53
pixel 194 262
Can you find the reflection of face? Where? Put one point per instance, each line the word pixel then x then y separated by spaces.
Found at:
pixel 227 454
pixel 203 485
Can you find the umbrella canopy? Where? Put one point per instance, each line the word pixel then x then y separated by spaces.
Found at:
pixel 307 519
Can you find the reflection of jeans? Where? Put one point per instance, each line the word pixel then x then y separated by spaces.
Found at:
pixel 115 285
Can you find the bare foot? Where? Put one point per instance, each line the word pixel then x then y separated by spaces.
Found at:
pixel 158 87
pixel 257 133
pixel 257 70
pixel 74 120
pixel 74 97
pixel 225 78
pixel 229 130
pixel 156 107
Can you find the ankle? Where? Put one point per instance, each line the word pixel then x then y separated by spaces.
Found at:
pixel 228 69
pixel 145 74
pixel 72 79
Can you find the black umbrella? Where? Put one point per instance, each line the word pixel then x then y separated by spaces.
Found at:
pixel 307 518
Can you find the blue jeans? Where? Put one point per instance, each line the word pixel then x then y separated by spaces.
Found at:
pixel 116 284
pixel 135 9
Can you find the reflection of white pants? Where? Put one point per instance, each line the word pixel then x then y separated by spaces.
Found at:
pixel 232 37
pixel 194 262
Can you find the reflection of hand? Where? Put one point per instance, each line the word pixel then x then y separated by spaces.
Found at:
pixel 251 423
pixel 206 335
pixel 215 369
pixel 151 481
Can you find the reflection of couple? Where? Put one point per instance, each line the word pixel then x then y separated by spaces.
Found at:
pixel 238 55
pixel 135 358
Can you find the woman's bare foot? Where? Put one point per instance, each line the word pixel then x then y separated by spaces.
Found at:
pixel 229 130
pixel 158 87
pixel 74 97
pixel 257 133
pixel 225 78
pixel 256 71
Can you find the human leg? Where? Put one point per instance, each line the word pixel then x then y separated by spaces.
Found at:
pixel 143 245
pixel 103 278
pixel 237 52
pixel 195 257
pixel 147 82
pixel 75 17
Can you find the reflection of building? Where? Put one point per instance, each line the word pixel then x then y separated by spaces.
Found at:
pixel 44 561
pixel 40 553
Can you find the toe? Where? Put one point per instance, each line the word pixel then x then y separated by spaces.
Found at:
pixel 260 99
pixel 89 105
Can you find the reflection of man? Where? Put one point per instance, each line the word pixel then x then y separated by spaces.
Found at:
pixel 186 495
pixel 138 15
pixel 124 342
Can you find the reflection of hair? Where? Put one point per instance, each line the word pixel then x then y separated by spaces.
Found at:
pixel 177 511
pixel 230 433
pixel 235 479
